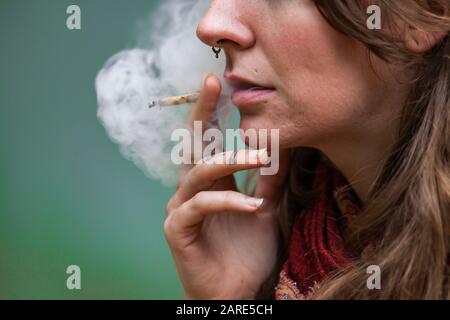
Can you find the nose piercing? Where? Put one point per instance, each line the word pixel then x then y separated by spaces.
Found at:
pixel 217 51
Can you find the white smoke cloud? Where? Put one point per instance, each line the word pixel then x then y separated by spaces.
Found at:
pixel 169 60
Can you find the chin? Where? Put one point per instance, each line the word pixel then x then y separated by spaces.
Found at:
pixel 252 122
pixel 260 128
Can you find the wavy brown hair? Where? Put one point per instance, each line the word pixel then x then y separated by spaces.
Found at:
pixel 407 213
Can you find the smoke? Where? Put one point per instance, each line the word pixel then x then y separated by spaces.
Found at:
pixel 169 60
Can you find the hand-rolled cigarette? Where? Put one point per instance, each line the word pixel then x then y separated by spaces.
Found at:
pixel 176 101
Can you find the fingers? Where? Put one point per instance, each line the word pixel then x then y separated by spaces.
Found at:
pixel 207 102
pixel 181 222
pixel 203 110
pixel 205 173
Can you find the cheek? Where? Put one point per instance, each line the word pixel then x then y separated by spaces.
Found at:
pixel 322 74
pixel 325 82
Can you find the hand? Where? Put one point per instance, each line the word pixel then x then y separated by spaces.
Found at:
pixel 223 242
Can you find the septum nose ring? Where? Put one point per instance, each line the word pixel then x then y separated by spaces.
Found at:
pixel 217 51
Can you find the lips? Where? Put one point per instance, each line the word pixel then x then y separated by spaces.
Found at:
pixel 251 96
pixel 248 92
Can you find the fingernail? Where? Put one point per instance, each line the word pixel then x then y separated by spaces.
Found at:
pixel 263 157
pixel 205 78
pixel 253 156
pixel 254 202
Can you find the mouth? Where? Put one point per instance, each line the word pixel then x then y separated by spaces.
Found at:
pixel 247 92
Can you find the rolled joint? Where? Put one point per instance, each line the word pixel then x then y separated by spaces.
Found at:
pixel 176 100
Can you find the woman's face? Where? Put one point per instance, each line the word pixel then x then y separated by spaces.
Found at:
pixel 318 86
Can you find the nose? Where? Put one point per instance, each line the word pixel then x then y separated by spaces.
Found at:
pixel 223 25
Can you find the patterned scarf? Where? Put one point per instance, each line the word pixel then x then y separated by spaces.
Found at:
pixel 316 246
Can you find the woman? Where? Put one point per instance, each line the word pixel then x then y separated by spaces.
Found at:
pixel 364 179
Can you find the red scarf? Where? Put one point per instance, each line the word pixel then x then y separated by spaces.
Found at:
pixel 316 246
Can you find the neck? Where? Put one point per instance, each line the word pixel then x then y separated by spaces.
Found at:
pixel 362 155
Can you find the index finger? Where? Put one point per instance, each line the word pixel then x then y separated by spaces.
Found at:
pixel 203 110
pixel 207 102
pixel 204 174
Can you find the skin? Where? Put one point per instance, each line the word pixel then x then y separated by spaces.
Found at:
pixel 329 95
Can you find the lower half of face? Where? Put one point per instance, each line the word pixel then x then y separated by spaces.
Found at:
pixel 325 85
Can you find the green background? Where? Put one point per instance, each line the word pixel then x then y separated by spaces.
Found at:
pixel 66 195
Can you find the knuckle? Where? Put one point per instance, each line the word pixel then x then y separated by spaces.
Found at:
pixel 198 200
pixel 168 229
pixel 170 207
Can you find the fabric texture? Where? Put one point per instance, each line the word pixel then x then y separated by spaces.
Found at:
pixel 317 245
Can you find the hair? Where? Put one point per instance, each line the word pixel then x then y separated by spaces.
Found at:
pixel 407 213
